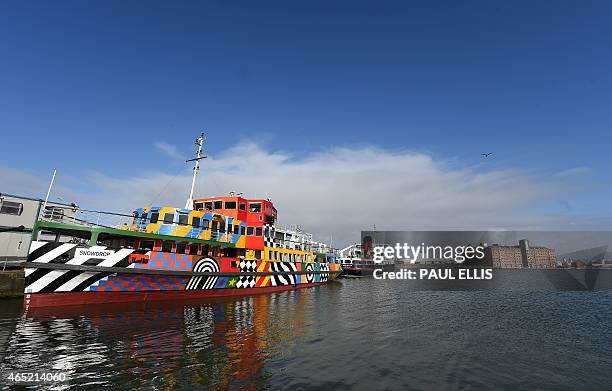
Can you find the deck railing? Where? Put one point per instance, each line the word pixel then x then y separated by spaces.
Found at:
pixel 92 219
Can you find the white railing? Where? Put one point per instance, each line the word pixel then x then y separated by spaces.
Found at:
pixel 88 218
pixel 91 218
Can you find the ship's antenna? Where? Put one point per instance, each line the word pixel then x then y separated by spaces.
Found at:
pixel 200 143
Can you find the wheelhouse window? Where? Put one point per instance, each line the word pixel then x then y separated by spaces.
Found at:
pixel 208 205
pixel 195 221
pixel 230 229
pixel 53 213
pixel 214 225
pixel 230 205
pixel 249 231
pixel 194 248
pixel 183 219
pixel 242 206
pixel 146 245
pixel 255 207
pixel 167 246
pixel 199 206
pixel 154 217
pixel 11 208
pixel 205 223
pixel 258 231
pixel 218 205
pixel 242 230
pixel 237 229
pixel 169 218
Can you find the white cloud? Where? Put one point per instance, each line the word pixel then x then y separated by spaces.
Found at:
pixel 573 172
pixel 342 191
pixel 168 149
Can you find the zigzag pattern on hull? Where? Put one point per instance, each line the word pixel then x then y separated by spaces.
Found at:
pixel 283 279
pixel 46 280
pixel 151 265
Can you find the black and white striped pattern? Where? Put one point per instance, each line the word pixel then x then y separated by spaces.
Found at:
pixel 204 265
pixel 47 280
pixel 309 273
pixel 283 279
pixel 247 267
pixel 324 276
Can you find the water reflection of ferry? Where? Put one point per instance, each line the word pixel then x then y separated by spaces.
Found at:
pixel 217 344
pixel 213 247
pixel 354 264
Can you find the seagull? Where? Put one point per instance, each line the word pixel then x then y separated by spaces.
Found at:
pixel 487 154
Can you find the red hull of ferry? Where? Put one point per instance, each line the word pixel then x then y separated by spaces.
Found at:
pixel 59 299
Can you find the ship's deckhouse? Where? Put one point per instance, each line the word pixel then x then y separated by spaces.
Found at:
pixel 259 215
pixel 254 212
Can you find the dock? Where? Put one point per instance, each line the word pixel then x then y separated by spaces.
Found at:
pixel 11 283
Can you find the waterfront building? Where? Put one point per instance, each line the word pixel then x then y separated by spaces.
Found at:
pixel 522 256
pixel 17 218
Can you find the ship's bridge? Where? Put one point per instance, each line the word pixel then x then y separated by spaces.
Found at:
pixel 256 212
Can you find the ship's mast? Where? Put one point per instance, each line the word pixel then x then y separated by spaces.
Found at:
pixel 200 143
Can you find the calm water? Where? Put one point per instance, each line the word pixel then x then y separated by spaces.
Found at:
pixel 354 334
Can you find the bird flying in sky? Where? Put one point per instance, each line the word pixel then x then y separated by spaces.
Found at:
pixel 487 154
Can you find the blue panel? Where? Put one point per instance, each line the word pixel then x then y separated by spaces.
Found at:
pixel 165 229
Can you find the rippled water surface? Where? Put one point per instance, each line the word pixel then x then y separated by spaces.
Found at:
pixel 353 334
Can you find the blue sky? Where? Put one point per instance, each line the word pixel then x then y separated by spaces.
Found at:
pixel 92 86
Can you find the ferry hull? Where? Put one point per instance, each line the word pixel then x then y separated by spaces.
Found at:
pixel 60 299
pixel 58 274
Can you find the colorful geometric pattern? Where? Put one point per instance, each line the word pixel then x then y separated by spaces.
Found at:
pixel 317 276
pixel 167 261
pixel 262 281
pixel 139 282
pixel 269 236
pixel 247 267
pixel 203 231
pixel 309 274
pixel 283 279
pixel 44 280
pixel 204 265
pixel 324 268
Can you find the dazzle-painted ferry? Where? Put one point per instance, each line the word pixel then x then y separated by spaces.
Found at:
pixel 214 247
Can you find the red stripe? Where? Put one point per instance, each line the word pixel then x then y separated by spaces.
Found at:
pixel 57 299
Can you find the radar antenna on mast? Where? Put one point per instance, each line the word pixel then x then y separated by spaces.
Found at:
pixel 200 143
